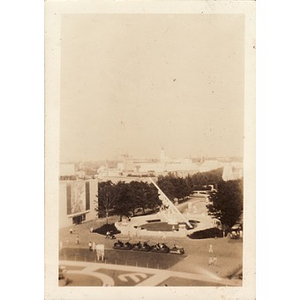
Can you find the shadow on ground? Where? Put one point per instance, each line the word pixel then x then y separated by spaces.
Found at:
pixel 124 257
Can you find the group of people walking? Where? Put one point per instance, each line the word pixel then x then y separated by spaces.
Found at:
pixel 98 248
pixel 212 260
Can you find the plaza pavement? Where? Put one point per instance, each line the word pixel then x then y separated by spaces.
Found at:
pixel 138 276
pixel 195 260
pixel 197 211
pixel 228 252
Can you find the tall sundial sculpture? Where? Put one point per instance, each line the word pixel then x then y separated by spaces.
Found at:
pixel 169 210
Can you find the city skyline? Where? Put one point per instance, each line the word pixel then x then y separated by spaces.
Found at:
pixel 127 156
pixel 136 83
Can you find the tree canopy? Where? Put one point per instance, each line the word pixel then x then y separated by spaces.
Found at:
pixel 200 179
pixel 107 198
pixel 178 187
pixel 174 187
pixel 227 202
pixel 126 199
pixel 129 199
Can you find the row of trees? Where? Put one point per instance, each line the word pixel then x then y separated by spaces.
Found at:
pixel 126 199
pixel 129 199
pixel 227 202
pixel 178 187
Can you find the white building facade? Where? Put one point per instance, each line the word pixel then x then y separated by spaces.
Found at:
pixel 77 201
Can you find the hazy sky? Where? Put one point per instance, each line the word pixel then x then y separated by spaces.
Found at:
pixel 136 83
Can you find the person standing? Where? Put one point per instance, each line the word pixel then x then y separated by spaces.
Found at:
pixel 214 260
pixel 100 251
pixel 90 246
pixel 77 239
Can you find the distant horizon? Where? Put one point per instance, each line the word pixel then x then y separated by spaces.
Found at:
pixel 153 158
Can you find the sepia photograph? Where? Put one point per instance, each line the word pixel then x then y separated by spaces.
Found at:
pixel 150 149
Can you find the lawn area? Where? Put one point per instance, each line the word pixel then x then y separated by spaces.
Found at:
pixel 106 227
pixel 159 226
pixel 206 234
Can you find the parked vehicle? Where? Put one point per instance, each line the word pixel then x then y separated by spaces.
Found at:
pixel 110 235
pixel 177 250
pixel 122 246
pixel 141 247
pixel 62 276
pixel 236 231
pixel 158 248
pixel 161 248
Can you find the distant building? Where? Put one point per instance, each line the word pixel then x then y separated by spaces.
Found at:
pixel 77 201
pixel 165 164
pixel 232 171
pixel 182 167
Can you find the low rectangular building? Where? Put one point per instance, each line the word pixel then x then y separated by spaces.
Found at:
pixel 77 201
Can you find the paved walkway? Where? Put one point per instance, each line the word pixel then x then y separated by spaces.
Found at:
pixel 197 211
pixel 229 253
pixel 138 276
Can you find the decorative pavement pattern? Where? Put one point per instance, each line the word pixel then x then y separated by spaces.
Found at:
pixel 93 274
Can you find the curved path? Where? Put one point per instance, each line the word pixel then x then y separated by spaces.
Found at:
pixel 193 209
pixel 118 275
